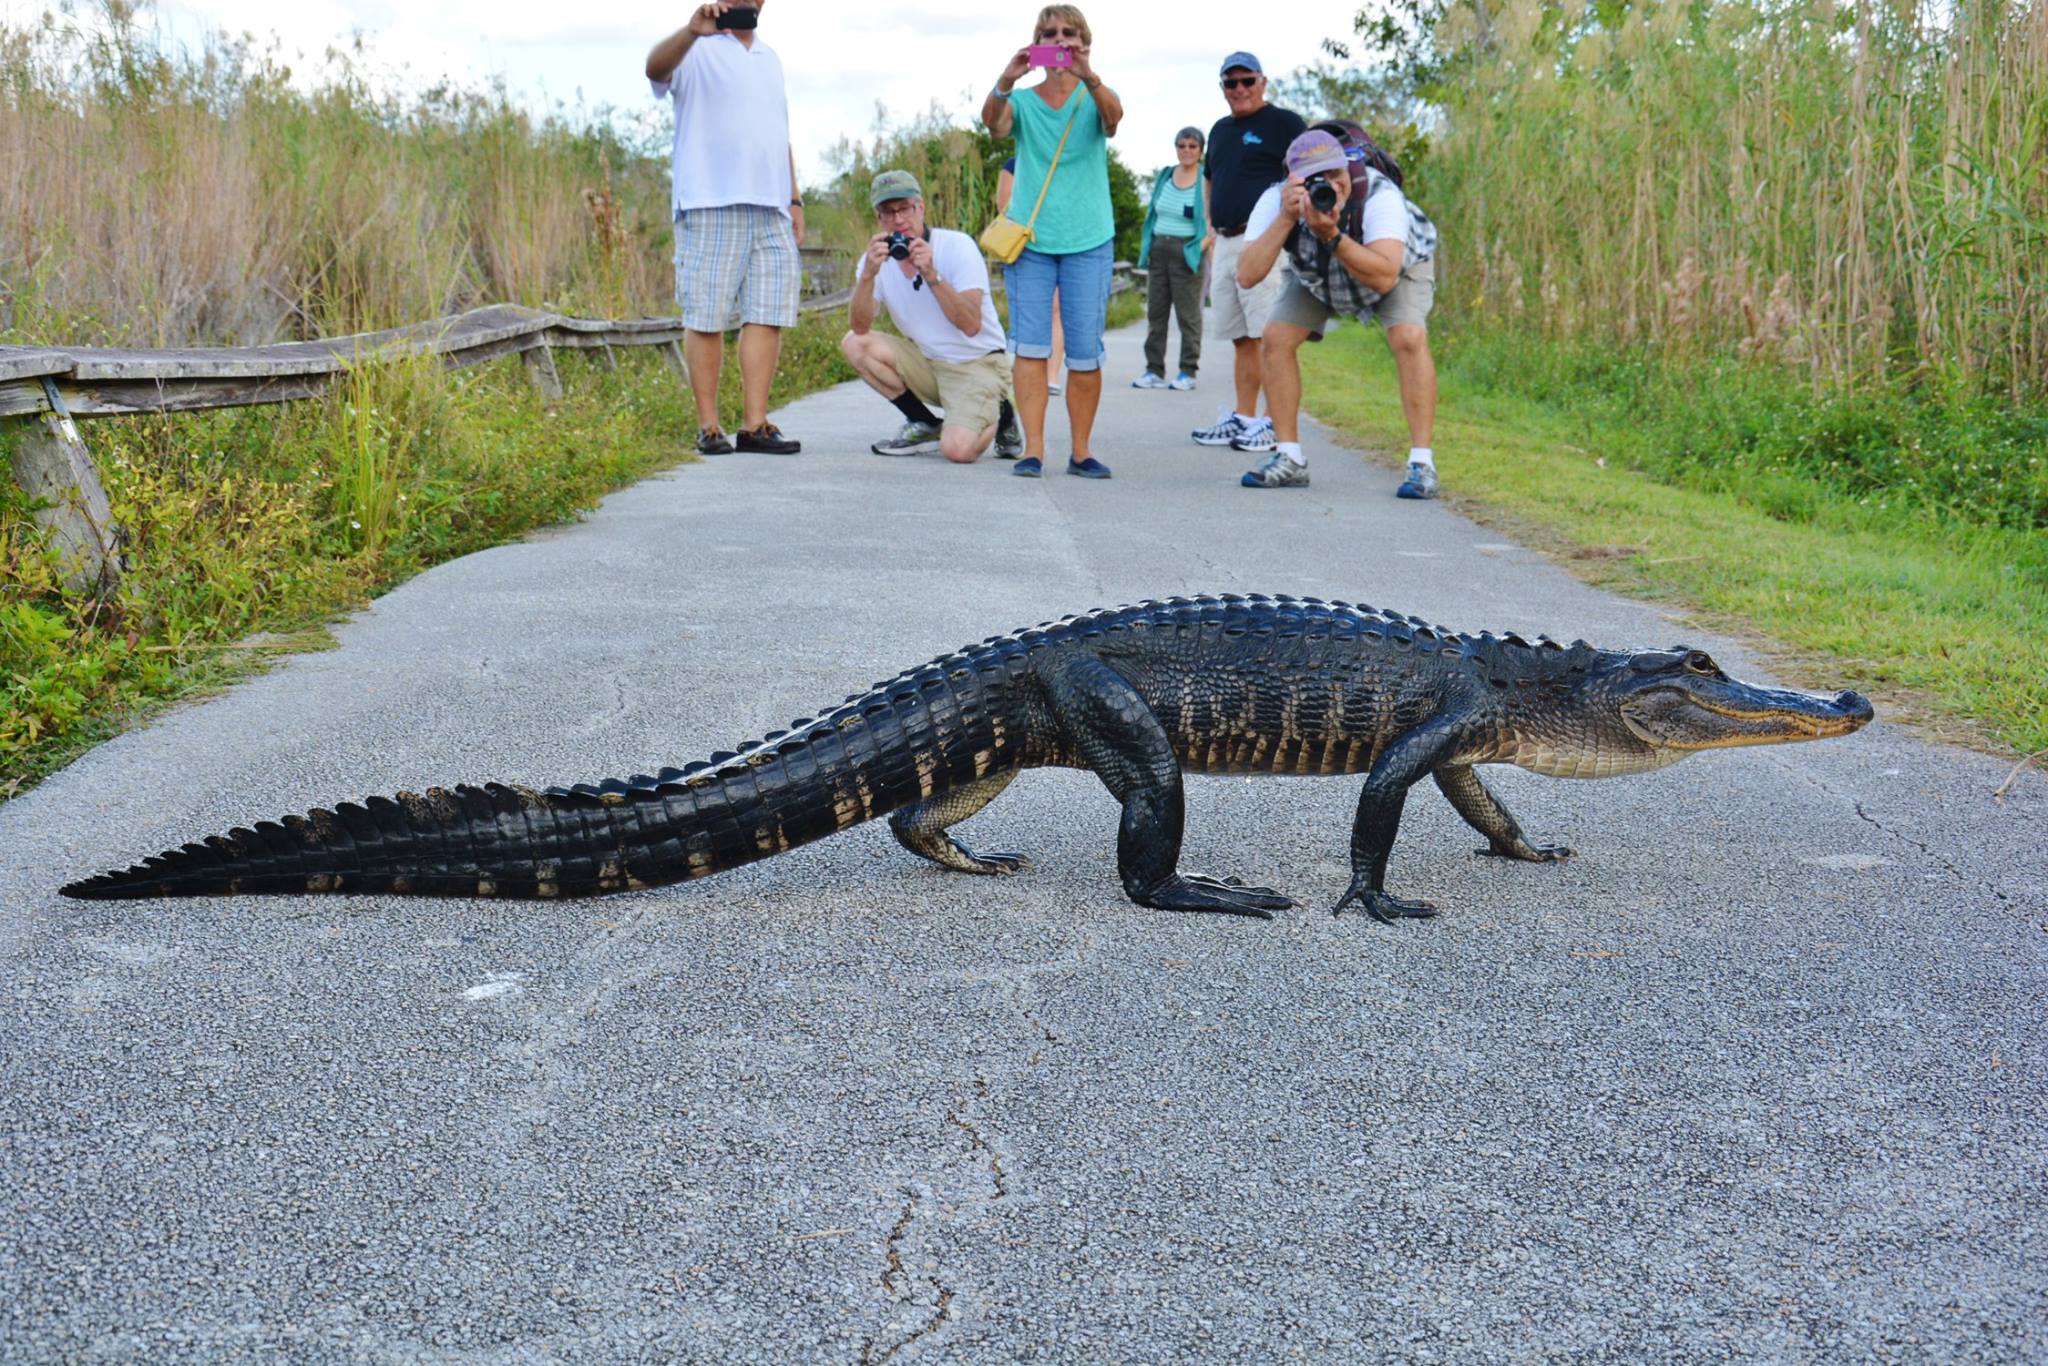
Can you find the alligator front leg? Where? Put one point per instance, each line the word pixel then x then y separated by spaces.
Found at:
pixel 1101 718
pixel 1399 767
pixel 1483 812
pixel 922 829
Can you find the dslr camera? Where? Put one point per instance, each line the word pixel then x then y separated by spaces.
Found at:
pixel 899 246
pixel 1321 193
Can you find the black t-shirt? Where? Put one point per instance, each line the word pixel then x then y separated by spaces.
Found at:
pixel 1246 155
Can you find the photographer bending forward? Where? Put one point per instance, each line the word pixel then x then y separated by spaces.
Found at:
pixel 934 282
pixel 1354 246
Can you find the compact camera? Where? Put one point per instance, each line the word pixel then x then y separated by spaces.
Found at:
pixel 899 246
pixel 740 17
pixel 1322 195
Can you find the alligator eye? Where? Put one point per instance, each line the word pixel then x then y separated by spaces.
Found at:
pixel 1700 662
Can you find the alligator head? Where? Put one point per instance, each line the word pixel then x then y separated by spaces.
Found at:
pixel 1635 712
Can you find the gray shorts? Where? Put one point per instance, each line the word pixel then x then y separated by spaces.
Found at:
pixel 1408 302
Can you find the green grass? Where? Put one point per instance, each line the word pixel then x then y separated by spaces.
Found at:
pixel 249 529
pixel 1945 619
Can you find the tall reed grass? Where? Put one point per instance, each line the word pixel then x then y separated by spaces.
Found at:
pixel 1853 190
pixel 155 198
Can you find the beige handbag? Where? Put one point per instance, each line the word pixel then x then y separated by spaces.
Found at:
pixel 1006 238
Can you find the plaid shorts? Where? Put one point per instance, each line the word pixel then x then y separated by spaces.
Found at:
pixel 736 264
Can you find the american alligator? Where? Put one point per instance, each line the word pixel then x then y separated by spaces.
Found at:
pixel 1139 695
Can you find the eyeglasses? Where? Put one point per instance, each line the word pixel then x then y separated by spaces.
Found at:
pixel 1239 82
pixel 1059 33
pixel 1189 146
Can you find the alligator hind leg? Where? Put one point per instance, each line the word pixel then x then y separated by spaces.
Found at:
pixel 922 828
pixel 1103 720
pixel 1483 812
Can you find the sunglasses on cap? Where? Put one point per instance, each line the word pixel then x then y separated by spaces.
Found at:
pixel 1239 82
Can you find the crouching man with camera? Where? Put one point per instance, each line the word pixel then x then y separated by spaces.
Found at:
pixel 1354 246
pixel 934 282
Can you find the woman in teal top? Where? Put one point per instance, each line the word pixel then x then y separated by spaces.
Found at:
pixel 1066 206
pixel 1178 217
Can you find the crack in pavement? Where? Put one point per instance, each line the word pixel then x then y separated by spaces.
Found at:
pixel 896 1281
pixel 1855 804
pixel 982 1145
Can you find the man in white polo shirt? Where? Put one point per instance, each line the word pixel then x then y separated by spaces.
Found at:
pixel 934 282
pixel 738 216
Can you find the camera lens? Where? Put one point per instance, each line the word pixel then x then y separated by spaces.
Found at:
pixel 1322 194
pixel 899 247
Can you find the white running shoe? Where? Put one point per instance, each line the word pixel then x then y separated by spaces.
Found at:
pixel 916 438
pixel 1227 428
pixel 1277 472
pixel 1148 380
pixel 1257 438
pixel 1182 381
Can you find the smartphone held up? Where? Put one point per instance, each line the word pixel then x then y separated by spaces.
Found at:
pixel 740 17
pixel 1049 55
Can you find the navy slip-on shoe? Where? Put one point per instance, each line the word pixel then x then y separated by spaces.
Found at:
pixel 1027 468
pixel 1091 468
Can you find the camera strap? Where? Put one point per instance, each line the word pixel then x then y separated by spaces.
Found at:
pixel 1074 99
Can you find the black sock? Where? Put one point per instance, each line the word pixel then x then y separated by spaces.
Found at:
pixel 912 407
pixel 1005 414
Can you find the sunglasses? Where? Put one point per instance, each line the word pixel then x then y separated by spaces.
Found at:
pixel 1189 146
pixel 1059 33
pixel 1239 82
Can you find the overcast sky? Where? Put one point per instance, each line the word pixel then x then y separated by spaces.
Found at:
pixel 841 56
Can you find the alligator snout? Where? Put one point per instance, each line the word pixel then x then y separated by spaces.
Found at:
pixel 1854 706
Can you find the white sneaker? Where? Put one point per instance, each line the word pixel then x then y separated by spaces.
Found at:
pixel 1148 380
pixel 1227 427
pixel 916 438
pixel 1257 438
pixel 1277 472
pixel 1053 389
pixel 1182 381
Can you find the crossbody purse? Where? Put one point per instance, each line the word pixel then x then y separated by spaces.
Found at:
pixel 1006 238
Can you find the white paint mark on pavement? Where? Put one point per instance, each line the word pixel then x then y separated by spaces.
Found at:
pixel 496 985
pixel 1847 863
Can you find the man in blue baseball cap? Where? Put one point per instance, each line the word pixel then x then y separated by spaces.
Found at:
pixel 1245 157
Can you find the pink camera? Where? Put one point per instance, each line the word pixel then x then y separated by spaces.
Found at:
pixel 1049 54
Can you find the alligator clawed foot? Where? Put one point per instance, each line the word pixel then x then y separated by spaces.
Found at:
pixel 1227 896
pixel 996 865
pixel 1529 853
pixel 1382 906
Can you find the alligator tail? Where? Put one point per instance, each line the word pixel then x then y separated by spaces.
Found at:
pixel 883 752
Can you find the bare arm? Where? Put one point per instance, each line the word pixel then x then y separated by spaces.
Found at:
pixel 862 309
pixel 796 200
pixel 962 308
pixel 1262 253
pixel 995 106
pixel 1108 105
pixel 1376 265
pixel 665 56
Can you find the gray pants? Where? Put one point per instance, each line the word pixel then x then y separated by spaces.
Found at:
pixel 1172 287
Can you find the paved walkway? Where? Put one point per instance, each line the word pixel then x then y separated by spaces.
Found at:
pixel 1761 1073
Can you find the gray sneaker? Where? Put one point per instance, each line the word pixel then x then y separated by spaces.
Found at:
pixel 1278 472
pixel 1257 438
pixel 1009 438
pixel 1421 482
pixel 916 438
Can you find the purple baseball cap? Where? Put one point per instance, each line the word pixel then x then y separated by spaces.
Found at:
pixel 1315 151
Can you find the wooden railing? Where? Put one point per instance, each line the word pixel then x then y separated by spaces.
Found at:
pixel 48 389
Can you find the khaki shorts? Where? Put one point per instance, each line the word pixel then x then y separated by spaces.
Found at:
pixel 967 392
pixel 1409 301
pixel 1235 312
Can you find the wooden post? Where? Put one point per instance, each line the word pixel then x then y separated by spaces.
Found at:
pixel 607 358
pixel 540 368
pixel 53 466
pixel 672 352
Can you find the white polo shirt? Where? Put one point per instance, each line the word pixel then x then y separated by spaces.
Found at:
pixel 732 126
pixel 917 314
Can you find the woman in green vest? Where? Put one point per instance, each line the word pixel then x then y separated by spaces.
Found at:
pixel 1179 215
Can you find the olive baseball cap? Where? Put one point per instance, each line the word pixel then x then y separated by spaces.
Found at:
pixel 894 185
